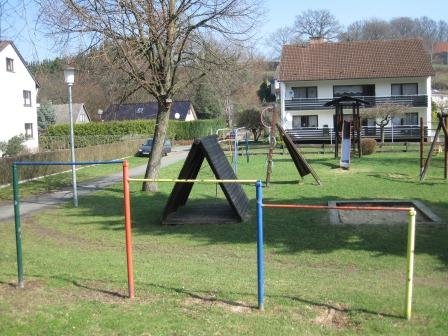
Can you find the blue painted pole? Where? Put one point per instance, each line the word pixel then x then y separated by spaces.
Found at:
pixel 57 163
pixel 260 258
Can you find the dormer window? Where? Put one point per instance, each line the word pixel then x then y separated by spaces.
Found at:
pixel 9 64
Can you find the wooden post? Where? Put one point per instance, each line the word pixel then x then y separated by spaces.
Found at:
pixel 445 123
pixel 271 146
pixel 431 149
pixel 338 109
pixel 358 129
pixel 422 135
pixel 353 140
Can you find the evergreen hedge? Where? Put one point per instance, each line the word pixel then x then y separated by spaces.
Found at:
pixel 117 130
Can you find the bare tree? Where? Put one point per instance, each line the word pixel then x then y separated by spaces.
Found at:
pixel 3 4
pixel 372 29
pixel 383 114
pixel 354 32
pixel 402 27
pixel 319 23
pixel 277 39
pixel 442 31
pixel 155 43
pixel 9 28
pixel 429 30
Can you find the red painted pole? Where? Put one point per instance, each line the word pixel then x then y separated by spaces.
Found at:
pixel 127 225
pixel 326 207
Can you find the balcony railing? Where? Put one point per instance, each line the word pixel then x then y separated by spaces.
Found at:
pixel 318 104
pixel 326 134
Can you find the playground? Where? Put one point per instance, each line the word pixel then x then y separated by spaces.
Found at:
pixel 201 279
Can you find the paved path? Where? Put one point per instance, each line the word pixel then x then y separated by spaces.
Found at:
pixel 37 203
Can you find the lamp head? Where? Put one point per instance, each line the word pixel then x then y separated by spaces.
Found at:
pixel 69 75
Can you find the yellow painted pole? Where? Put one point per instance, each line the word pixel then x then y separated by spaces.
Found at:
pixel 410 262
pixel 192 181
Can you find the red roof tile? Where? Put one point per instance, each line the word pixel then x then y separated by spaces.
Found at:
pixel 351 60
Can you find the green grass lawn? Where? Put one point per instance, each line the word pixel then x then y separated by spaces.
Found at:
pixel 321 279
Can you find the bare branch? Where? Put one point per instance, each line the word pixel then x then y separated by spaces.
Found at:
pixel 157 44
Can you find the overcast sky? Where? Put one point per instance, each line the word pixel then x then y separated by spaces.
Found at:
pixel 19 17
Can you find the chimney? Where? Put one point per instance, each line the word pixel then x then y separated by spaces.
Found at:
pixel 316 40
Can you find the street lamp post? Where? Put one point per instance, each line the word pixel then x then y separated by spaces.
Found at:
pixel 69 77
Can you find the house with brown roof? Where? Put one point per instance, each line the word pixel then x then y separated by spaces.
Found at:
pixel 392 71
pixel 180 110
pixel 440 52
pixel 62 116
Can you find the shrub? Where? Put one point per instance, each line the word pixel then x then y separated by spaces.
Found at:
pixel 368 146
pixel 250 119
pixel 107 132
pixel 45 116
pixel 13 146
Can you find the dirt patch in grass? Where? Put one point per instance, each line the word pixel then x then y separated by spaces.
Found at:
pixel 23 299
pixel 211 301
pixel 336 317
pixel 37 293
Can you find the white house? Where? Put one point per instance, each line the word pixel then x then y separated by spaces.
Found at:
pixel 389 71
pixel 18 91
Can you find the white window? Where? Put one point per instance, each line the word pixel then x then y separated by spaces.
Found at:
pixel 305 92
pixel 82 118
pixel 304 121
pixel 28 131
pixel 406 89
pixel 411 118
pixel 26 98
pixel 9 64
pixel 354 90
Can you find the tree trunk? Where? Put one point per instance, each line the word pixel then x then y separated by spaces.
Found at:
pixel 155 157
pixel 254 132
pixel 382 134
pixel 271 146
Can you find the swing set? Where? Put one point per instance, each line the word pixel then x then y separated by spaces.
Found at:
pixel 425 163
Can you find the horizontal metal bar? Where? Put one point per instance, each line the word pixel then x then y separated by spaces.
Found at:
pixel 191 181
pixel 81 163
pixel 327 207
